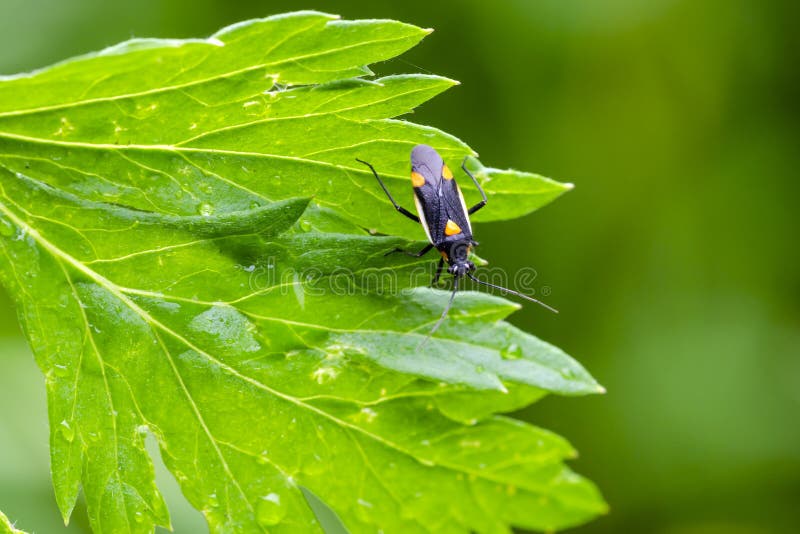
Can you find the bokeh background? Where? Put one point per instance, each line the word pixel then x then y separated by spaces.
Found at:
pixel 675 262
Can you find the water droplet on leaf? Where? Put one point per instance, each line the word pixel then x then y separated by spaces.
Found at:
pixel 6 228
pixel 67 431
pixel 205 209
pixel 364 510
pixel 367 415
pixel 270 510
pixel 513 352
pixel 324 374
pixel 314 465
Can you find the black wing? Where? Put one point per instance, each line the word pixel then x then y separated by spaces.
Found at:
pixel 438 198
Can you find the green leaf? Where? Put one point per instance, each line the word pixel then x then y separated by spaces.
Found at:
pixel 174 278
pixel 6 527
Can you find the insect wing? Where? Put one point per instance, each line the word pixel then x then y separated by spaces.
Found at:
pixel 426 178
pixel 456 208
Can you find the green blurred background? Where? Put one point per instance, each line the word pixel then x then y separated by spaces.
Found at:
pixel 674 262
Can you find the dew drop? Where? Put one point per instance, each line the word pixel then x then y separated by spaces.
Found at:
pixel 67 431
pixel 480 368
pixel 138 517
pixel 254 205
pixel 367 415
pixel 213 501
pixel 513 352
pixel 305 225
pixel 205 209
pixel 61 370
pixel 364 510
pixel 566 372
pixel 324 374
pixel 270 510
pixel 315 465
pixel 6 228
pixel 263 458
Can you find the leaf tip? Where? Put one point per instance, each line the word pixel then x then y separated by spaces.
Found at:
pixel 600 389
pixel 568 186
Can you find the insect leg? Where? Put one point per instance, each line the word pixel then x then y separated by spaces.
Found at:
pixel 419 254
pixel 483 202
pixel 397 206
pixel 438 272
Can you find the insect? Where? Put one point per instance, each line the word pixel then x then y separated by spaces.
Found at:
pixel 445 218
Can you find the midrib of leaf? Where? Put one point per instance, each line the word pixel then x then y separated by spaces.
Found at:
pixel 181 150
pixel 63 257
pixel 196 150
pixel 193 83
pixel 295 117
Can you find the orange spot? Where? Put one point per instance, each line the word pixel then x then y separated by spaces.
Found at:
pixel 447 173
pixel 452 228
pixel 417 180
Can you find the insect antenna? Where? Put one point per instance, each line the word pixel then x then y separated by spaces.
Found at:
pixel 444 314
pixel 517 293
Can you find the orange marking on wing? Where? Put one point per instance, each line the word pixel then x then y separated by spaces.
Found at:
pixel 447 173
pixel 417 180
pixel 452 228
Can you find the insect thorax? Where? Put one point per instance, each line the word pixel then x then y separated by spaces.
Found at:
pixel 455 251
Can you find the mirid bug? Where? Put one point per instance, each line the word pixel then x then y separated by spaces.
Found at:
pixel 445 218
